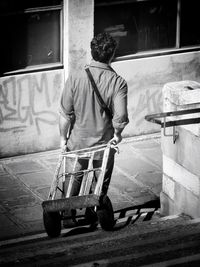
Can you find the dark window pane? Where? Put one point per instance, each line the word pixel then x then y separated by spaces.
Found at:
pixel 138 26
pixel 190 33
pixel 29 38
pixel 43 36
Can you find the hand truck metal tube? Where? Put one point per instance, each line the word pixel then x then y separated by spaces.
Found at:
pixel 61 200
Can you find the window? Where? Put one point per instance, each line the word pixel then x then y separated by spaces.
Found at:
pixel 30 34
pixel 189 23
pixel 148 25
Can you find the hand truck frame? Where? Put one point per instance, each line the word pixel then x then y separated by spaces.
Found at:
pixel 60 199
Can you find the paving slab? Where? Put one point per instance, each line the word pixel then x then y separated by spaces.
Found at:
pixel 18 166
pixel 7 180
pixel 43 192
pixel 8 227
pixel 151 179
pixel 25 182
pixel 130 163
pixel 37 179
pixel 147 151
pixel 29 213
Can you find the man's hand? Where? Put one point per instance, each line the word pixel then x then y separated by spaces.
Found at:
pixel 116 139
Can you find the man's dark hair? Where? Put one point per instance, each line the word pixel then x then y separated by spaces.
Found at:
pixel 103 47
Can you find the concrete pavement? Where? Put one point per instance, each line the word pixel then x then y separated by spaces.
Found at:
pixel 25 182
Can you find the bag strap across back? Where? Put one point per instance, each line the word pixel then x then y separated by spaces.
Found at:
pixel 101 102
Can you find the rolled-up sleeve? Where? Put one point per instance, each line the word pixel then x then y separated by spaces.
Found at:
pixel 120 113
pixel 66 108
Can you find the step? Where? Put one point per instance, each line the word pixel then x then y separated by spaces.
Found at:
pixel 162 238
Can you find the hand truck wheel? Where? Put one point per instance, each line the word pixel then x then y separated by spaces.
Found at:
pixel 105 214
pixel 52 223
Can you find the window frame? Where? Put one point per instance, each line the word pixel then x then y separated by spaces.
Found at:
pixel 45 66
pixel 157 52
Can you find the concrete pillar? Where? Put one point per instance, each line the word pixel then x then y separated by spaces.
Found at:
pixel 181 161
pixel 78 32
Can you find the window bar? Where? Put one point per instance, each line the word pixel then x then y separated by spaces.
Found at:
pixel 61 35
pixel 178 24
pixel 41 9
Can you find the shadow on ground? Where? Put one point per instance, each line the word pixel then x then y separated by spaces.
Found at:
pixel 129 215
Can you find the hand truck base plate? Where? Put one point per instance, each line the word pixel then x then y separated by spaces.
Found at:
pixel 73 202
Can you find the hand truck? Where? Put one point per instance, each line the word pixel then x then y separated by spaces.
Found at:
pixel 59 199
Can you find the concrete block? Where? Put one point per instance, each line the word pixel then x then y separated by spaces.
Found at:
pixel 189 97
pixel 168 186
pixel 178 92
pixel 167 205
pixel 186 150
pixel 186 202
pixel 181 168
pixel 181 175
pixel 177 96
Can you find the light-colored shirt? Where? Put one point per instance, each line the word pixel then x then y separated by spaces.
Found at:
pixel 92 126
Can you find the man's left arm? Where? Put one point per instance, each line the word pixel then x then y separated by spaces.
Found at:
pixel 120 112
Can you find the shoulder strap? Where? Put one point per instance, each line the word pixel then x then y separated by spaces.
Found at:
pixel 101 102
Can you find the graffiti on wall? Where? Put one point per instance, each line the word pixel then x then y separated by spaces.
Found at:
pixel 29 100
pixel 148 102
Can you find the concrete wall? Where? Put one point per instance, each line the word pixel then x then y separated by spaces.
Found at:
pixel 79 32
pixel 29 112
pixel 146 78
pixel 29 102
pixel 181 169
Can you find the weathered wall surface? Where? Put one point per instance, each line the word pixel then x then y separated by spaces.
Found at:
pixel 181 169
pixel 29 102
pixel 80 32
pixel 29 112
pixel 146 78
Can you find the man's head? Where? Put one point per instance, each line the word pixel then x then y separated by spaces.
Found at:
pixel 103 47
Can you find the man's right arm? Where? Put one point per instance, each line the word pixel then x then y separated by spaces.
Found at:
pixel 64 127
pixel 66 118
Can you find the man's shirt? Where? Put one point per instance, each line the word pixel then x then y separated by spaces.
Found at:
pixel 92 126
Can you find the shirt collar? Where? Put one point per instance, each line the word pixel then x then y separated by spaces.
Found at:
pixel 101 65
